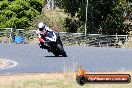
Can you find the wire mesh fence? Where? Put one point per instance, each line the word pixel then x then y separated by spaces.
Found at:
pixel 11 35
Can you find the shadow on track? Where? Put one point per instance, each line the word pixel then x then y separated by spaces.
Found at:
pixel 54 56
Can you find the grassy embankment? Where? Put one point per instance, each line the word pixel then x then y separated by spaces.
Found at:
pixel 50 80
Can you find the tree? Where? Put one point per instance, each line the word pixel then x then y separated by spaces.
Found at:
pixel 104 16
pixel 19 13
pixel 71 7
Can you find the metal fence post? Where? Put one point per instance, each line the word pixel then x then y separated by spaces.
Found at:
pixel 86 18
pixel 10 40
pixel 126 41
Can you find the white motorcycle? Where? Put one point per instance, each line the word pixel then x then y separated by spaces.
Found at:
pixel 53 44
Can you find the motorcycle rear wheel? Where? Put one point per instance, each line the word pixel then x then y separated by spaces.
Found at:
pixel 61 50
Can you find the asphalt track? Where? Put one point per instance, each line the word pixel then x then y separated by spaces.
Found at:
pixel 30 59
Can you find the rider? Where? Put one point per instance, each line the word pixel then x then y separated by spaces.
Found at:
pixel 42 32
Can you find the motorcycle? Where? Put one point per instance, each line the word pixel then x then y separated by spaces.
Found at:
pixel 53 44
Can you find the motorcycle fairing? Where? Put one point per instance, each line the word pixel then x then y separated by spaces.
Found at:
pixel 51 37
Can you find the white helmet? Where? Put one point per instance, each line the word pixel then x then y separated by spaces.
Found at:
pixel 41 26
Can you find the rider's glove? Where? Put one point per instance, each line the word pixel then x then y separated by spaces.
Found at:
pixel 41 40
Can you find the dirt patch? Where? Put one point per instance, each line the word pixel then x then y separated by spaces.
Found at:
pixel 4 64
pixel 1 63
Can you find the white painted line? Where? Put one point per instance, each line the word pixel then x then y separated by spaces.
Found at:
pixel 8 64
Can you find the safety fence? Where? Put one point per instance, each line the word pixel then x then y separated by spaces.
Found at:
pixel 96 40
pixel 11 35
pixel 18 36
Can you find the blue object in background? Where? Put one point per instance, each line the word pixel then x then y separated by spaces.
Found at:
pixel 19 39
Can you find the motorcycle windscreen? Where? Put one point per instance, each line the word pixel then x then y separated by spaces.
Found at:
pixel 51 37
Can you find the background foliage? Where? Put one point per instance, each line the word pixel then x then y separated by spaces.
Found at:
pixel 19 13
pixel 104 16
